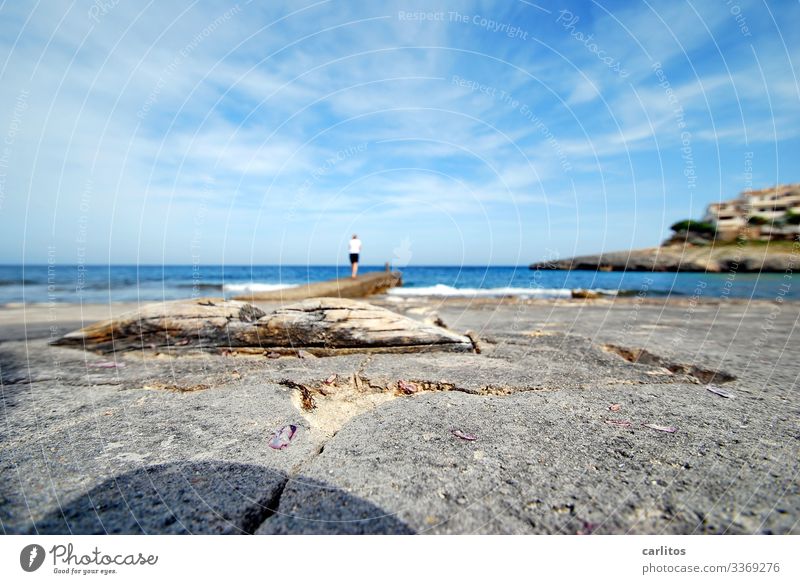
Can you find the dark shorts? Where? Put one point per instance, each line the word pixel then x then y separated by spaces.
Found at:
pixel 353 258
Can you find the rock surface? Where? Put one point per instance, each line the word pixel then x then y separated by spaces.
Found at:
pixel 677 258
pixel 161 443
pixel 319 326
pixel 365 285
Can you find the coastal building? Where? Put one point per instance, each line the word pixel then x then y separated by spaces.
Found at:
pixel 727 216
pixel 757 214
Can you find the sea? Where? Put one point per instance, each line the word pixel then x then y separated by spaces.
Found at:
pixel 143 283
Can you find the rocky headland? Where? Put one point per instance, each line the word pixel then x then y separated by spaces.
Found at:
pixel 772 257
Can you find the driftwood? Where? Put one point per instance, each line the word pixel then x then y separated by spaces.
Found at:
pixel 360 287
pixel 321 326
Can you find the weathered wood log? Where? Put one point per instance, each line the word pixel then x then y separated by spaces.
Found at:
pixel 322 326
pixel 360 287
pixel 199 322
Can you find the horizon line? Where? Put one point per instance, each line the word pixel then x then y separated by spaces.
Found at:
pixel 347 265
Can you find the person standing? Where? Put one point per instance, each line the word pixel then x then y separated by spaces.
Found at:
pixel 355 250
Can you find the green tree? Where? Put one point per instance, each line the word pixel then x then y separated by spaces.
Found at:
pixel 791 218
pixel 758 220
pixel 692 226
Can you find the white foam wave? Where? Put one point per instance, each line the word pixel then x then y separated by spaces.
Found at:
pixel 255 287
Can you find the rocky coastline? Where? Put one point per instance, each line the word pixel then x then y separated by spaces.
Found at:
pixel 745 258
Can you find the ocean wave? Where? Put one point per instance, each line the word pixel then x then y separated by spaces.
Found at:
pixel 449 291
pixel 255 287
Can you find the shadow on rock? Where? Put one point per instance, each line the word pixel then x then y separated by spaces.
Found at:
pixel 311 507
pixel 210 497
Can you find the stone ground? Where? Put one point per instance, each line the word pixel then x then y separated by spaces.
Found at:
pixel 179 444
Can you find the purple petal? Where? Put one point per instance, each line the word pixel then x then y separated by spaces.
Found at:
pixel 107 365
pixel 282 437
pixel 407 387
pixel 464 435
pixel 668 429
pixel 720 392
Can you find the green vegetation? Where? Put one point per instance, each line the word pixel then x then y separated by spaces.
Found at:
pixel 791 218
pixel 758 220
pixel 692 226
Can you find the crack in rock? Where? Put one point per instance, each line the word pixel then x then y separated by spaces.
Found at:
pixel 329 406
pixel 261 512
pixel 645 357
pixel 176 388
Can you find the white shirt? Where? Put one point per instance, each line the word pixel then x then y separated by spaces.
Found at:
pixel 355 246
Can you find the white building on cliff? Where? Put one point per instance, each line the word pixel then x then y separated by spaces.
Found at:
pixel 756 214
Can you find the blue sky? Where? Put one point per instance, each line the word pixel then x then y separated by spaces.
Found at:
pixel 442 133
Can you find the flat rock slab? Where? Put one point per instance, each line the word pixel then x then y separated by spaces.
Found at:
pixel 546 463
pixel 184 497
pixel 146 461
pixel 360 287
pixel 167 441
pixel 322 326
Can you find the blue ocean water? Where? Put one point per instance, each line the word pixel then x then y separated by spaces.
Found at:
pixel 94 283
